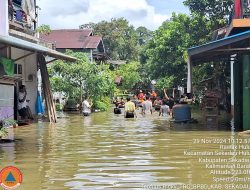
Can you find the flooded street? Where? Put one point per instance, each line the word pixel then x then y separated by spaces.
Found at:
pixel 106 151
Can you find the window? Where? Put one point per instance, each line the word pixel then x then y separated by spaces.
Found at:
pixel 18 70
pixel 17 2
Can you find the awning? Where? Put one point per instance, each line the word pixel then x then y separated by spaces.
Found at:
pixel 217 50
pixel 220 48
pixel 29 46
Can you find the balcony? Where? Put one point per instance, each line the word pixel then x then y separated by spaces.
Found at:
pixel 20 24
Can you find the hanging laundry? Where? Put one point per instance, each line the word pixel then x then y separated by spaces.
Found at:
pixel 29 8
pixel 8 66
pixel 19 15
pixel 39 104
pixel 248 3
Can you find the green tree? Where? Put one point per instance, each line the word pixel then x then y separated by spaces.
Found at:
pixel 119 37
pixel 144 35
pixel 44 29
pixel 217 14
pixel 82 77
pixel 215 11
pixel 165 56
pixel 130 74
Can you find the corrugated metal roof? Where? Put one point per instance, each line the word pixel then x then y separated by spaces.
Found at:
pixel 218 43
pixel 73 38
pixel 92 42
pixel 200 52
pixel 22 44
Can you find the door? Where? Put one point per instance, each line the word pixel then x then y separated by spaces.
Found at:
pixel 6 101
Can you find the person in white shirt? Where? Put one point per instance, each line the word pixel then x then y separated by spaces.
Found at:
pixel 22 104
pixel 147 107
pixel 86 108
pixel 164 110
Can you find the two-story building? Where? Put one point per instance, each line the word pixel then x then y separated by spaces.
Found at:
pixel 21 56
pixel 77 40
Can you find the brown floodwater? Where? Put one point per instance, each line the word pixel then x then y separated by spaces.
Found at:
pixel 106 151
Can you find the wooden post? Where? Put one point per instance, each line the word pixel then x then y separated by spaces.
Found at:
pixel 81 93
pixel 189 77
pixel 47 89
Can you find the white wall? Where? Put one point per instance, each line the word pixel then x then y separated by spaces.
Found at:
pixel 4 20
pixel 29 66
pixel 6 101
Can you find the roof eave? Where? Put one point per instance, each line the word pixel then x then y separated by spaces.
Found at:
pixel 218 43
pixel 22 44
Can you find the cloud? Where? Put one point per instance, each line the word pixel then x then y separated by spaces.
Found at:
pixel 73 13
pixel 57 8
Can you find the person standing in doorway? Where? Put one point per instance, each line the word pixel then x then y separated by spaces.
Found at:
pixel 86 108
pixel 22 104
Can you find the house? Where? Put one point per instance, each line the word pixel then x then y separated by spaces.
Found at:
pixel 21 56
pixel 78 40
pixel 233 49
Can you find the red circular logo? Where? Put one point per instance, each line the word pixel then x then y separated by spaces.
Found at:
pixel 10 178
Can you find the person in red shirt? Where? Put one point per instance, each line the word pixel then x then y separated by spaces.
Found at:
pixel 141 96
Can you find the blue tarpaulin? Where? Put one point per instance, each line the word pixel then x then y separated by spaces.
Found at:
pixel 39 104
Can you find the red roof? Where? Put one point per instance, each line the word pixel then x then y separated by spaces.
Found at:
pixel 92 42
pixel 73 39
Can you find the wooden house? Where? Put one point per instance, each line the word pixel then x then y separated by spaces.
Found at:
pixel 78 40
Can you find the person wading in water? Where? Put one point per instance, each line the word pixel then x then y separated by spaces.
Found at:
pixel 147 107
pixel 86 107
pixel 129 109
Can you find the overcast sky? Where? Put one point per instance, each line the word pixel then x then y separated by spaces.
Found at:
pixel 69 14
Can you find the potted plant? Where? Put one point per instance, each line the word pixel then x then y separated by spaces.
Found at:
pixel 3 131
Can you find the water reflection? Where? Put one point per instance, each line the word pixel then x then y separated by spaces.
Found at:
pixel 106 151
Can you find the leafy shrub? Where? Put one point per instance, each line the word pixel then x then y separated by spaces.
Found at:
pixel 58 107
pixel 102 105
pixel 3 124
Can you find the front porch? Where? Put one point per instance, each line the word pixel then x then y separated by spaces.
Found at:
pixel 27 58
pixel 233 50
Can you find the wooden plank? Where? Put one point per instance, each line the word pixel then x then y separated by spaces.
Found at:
pixel 23 56
pixel 47 89
pixel 238 23
pixel 44 86
pixel 52 61
pixel 245 22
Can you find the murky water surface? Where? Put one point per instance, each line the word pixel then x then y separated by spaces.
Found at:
pixel 106 151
